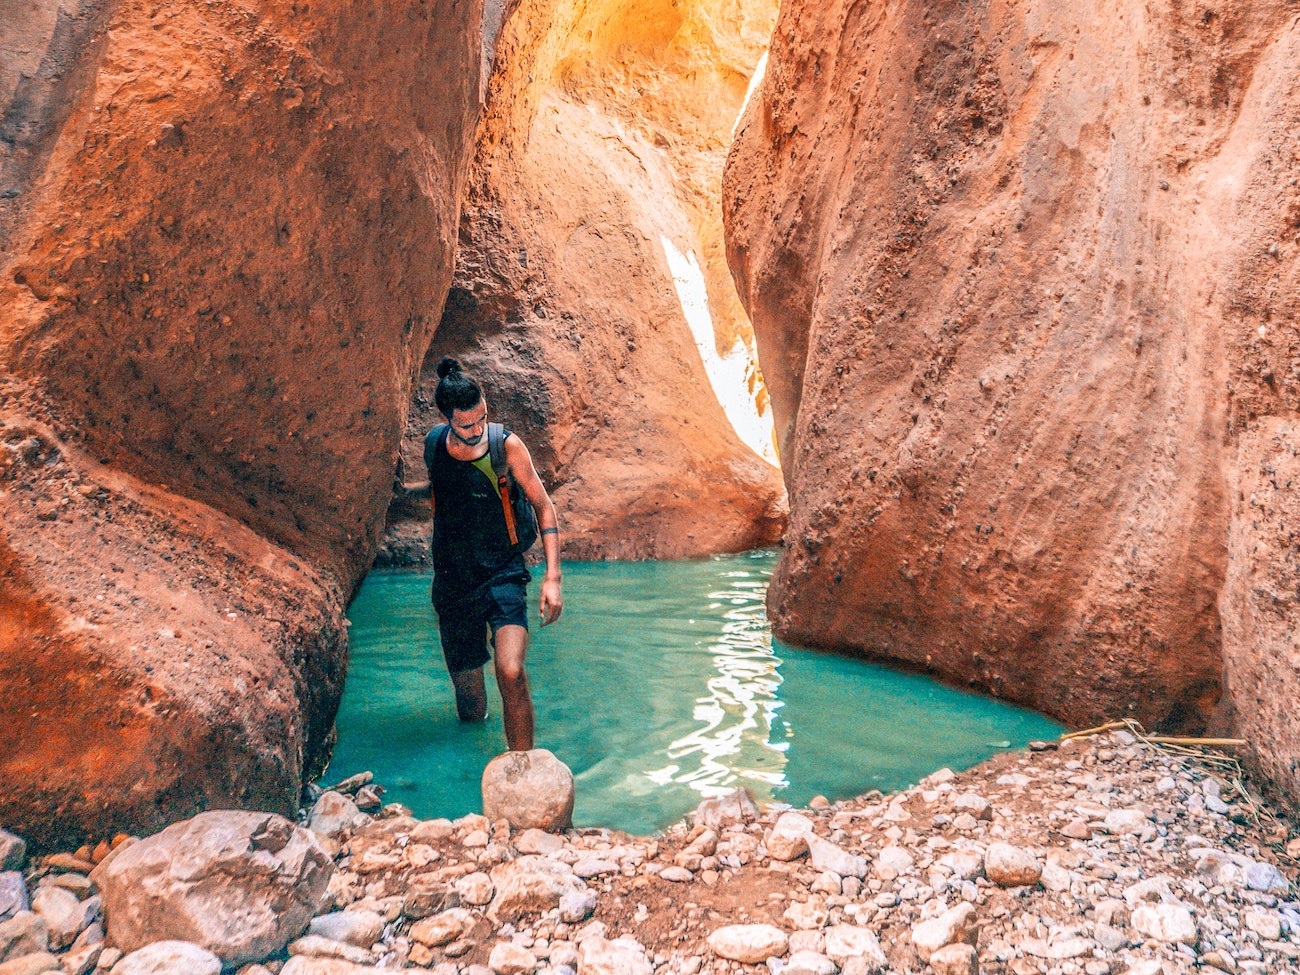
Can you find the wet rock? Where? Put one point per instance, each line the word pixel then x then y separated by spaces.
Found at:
pixel 530 885
pixel 169 958
pixel 507 958
pixel 13 894
pixel 531 790
pixel 23 934
pixel 332 813
pixel 956 924
pixel 13 851
pixel 845 942
pixel 597 956
pixel 359 928
pixel 787 838
pixel 1011 866
pixel 239 884
pixel 825 855
pixel 722 811
pixel 1170 923
pixel 442 929
pixel 749 943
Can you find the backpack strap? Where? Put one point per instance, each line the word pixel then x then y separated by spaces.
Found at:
pixel 497 455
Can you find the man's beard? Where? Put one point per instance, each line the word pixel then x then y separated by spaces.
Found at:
pixel 474 442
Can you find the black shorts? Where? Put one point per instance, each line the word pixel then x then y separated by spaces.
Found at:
pixel 464 618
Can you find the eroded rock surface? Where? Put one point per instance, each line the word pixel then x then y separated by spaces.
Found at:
pixel 226 232
pixel 1023 280
pixel 595 182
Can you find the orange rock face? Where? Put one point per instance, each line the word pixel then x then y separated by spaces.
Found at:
pixel 226 234
pixel 598 163
pixel 1023 279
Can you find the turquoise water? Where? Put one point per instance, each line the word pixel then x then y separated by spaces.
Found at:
pixel 659 686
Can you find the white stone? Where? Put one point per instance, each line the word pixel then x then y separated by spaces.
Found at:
pixel 749 943
pixel 722 811
pixel 953 925
pixel 1056 878
pixel 530 885
pixel 964 864
pixel 846 941
pixel 577 905
pixel 64 914
pixel 474 888
pixel 597 956
pixel 809 963
pixel 508 958
pixel 34 964
pixel 1266 877
pixel 825 855
pixel 315 946
pixel 1267 926
pixel 359 928
pixel 332 813
pixel 1126 822
pixel 955 959
pixel 891 862
pixel 806 915
pixel 1011 866
pixel 975 804
pixel 531 790
pixel 308 965
pixel 538 841
pixel 1165 922
pixel 442 929
pixel 814 941
pixel 787 838
pixel 239 884
pixel 169 958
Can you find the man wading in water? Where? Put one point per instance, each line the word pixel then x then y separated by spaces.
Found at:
pixel 479 576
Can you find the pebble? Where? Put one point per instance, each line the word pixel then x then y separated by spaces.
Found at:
pixel 749 943
pixel 508 958
pixel 955 959
pixel 1011 866
pixel 951 926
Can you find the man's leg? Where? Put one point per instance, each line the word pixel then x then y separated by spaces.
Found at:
pixel 471 694
pixel 516 702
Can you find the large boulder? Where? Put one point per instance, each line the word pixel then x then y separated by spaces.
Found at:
pixel 226 234
pixel 591 293
pixel 530 790
pixel 238 884
pixel 1031 279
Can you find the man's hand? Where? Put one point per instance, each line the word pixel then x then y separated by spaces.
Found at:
pixel 552 603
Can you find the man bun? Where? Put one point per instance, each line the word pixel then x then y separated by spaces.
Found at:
pixel 447 365
pixel 456 390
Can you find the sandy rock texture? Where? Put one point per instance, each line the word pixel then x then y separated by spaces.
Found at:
pixel 598 164
pixel 226 232
pixel 1023 281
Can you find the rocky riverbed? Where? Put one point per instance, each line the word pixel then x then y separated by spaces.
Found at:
pixel 1101 855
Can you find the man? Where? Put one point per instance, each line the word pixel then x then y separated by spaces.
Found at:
pixel 480 578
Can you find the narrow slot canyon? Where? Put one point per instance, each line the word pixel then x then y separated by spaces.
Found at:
pixel 979 320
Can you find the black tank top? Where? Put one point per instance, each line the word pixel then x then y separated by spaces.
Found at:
pixel 470 542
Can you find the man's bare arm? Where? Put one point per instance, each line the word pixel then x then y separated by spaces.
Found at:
pixel 522 470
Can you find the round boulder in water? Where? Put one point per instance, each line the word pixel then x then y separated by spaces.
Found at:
pixel 530 790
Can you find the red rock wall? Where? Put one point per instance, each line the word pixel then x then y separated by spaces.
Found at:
pixel 604 135
pixel 1022 276
pixel 227 232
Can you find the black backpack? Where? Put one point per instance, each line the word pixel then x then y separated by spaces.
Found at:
pixel 521 520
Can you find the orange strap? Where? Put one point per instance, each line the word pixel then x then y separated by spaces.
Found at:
pixel 507 508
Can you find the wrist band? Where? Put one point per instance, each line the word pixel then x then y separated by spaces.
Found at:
pixel 550 531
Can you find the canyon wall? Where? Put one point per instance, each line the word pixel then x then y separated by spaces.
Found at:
pixel 1023 277
pixel 594 187
pixel 226 233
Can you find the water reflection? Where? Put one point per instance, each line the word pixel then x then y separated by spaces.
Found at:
pixel 734 746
